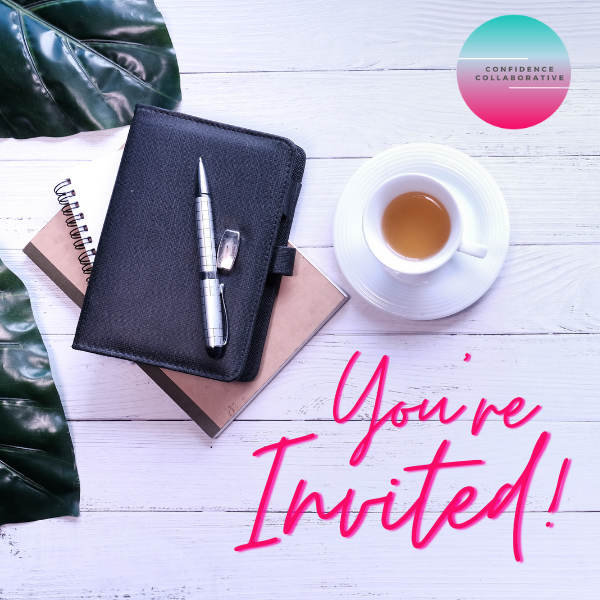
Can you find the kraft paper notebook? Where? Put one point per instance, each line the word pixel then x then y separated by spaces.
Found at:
pixel 306 301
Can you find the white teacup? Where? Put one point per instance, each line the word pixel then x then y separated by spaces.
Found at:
pixel 373 217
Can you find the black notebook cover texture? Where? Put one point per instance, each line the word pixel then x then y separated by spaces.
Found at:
pixel 143 300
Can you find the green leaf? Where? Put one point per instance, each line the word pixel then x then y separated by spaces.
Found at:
pixel 38 476
pixel 77 65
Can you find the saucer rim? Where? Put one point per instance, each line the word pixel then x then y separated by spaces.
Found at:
pixel 494 198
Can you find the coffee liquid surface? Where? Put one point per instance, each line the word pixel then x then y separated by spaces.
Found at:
pixel 416 225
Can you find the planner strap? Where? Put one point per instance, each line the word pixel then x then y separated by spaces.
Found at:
pixel 283 261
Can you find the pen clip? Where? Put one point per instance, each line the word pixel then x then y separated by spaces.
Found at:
pixel 221 289
pixel 228 250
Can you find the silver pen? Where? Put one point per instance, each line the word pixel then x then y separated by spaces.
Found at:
pixel 212 291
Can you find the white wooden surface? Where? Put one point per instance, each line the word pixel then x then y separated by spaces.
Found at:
pixel 163 506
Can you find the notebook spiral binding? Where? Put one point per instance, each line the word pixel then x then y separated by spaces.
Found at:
pixel 76 231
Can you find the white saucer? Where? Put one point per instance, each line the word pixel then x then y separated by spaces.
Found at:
pixel 463 279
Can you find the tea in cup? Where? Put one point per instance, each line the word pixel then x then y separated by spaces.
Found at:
pixel 412 225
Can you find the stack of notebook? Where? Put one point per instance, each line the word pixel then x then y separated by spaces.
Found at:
pixel 65 250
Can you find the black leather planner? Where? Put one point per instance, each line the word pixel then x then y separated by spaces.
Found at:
pixel 143 300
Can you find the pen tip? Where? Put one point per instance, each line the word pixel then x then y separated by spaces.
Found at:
pixel 202 182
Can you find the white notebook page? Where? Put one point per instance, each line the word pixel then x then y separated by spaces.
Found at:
pixel 93 184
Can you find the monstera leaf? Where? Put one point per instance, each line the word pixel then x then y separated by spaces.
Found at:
pixel 77 65
pixel 38 476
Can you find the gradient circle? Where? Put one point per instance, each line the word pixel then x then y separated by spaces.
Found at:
pixel 513 72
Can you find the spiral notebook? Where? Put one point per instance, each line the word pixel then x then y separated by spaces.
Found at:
pixel 64 253
pixel 84 196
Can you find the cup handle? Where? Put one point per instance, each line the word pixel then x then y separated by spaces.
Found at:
pixel 472 248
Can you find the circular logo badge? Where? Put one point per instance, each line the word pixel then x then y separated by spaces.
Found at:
pixel 513 72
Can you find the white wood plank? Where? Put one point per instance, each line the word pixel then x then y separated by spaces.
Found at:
pixel 350 114
pixel 158 466
pixel 242 35
pixel 191 557
pixel 356 114
pixel 559 372
pixel 28 200
pixel 539 193
pixel 556 286
pixel 540 289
